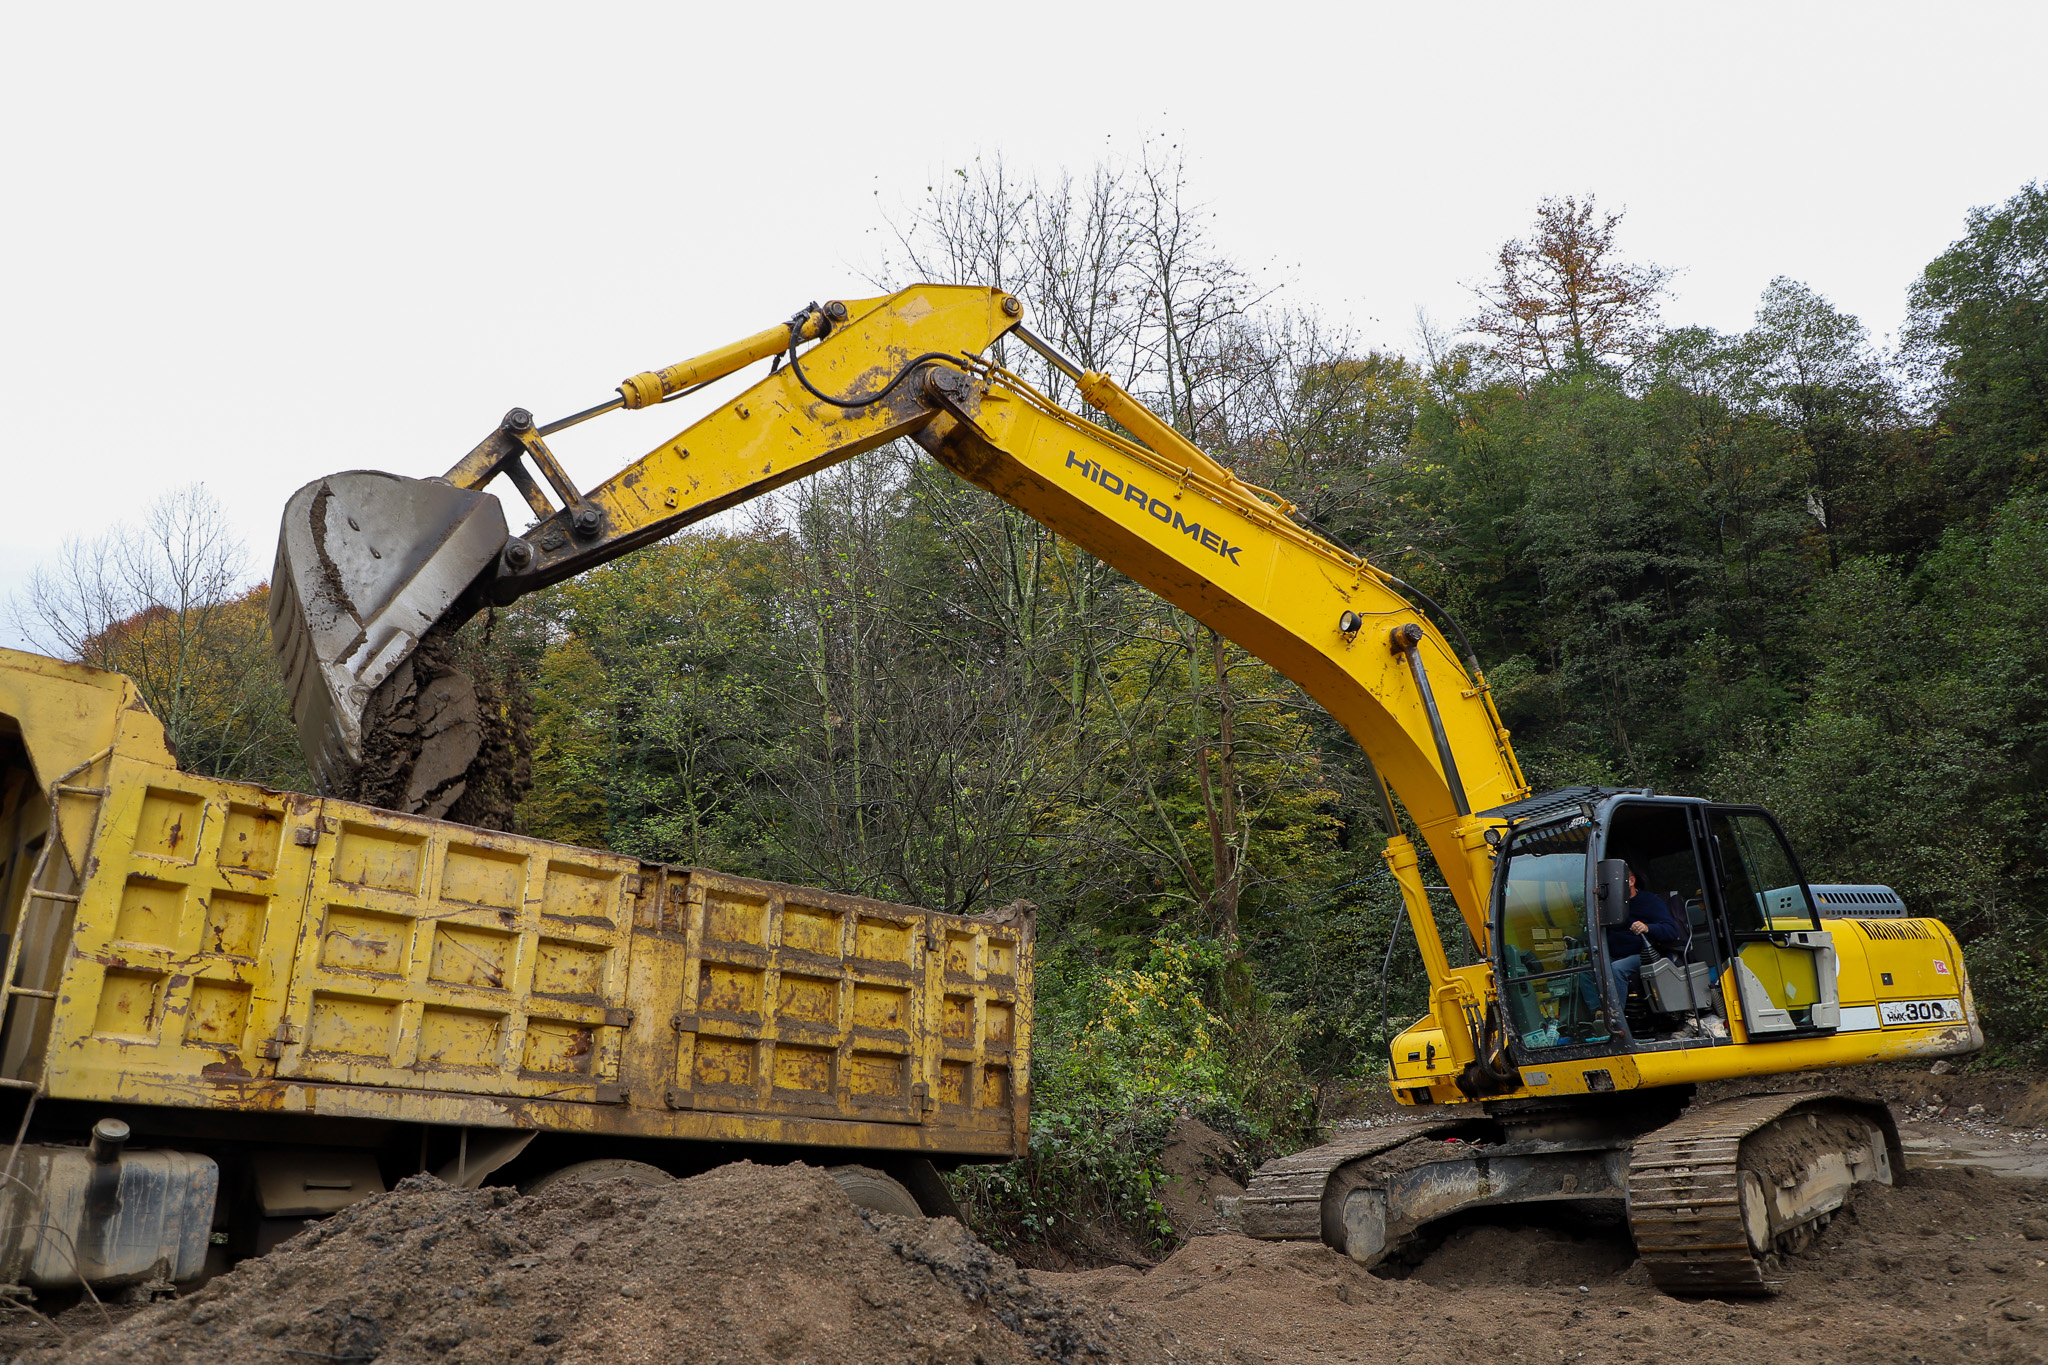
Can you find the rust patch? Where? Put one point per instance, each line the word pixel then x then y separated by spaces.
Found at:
pixel 229 1070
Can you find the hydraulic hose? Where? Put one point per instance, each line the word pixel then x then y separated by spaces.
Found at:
pixel 796 325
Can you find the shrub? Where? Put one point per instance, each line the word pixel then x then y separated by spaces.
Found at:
pixel 1119 1055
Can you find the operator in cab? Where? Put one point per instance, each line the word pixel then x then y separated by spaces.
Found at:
pixel 1648 918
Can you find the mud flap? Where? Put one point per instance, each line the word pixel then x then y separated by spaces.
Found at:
pixel 367 563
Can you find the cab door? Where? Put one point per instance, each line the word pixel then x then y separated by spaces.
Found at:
pixel 1782 969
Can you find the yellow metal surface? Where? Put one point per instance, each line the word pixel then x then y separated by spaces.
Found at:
pixel 805 1002
pixel 1787 975
pixel 176 961
pixel 1919 955
pixel 775 431
pixel 453 959
pixel 1106 396
pixel 232 947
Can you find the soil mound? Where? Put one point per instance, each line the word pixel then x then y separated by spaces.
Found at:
pixel 1199 1163
pixel 1493 1256
pixel 743 1264
pixel 2030 1110
pixel 1951 1266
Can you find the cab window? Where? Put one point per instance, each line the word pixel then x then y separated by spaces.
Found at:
pixel 1546 962
pixel 1760 882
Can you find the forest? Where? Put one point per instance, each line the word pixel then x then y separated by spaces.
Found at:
pixel 1786 565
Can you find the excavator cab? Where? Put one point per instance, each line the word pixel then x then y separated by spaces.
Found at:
pixel 1752 953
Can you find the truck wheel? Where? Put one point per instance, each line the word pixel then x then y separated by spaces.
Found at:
pixel 606 1168
pixel 870 1189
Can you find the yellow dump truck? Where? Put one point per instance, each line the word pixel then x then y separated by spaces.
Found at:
pixel 228 1009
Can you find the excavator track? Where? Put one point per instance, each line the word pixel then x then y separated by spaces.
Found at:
pixel 1286 1199
pixel 1686 1192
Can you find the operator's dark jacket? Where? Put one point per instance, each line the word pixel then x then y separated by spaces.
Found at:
pixel 1649 907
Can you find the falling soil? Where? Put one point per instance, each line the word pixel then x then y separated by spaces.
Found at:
pixel 444 739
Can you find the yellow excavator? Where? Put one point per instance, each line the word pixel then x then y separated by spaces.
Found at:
pixel 1549 1069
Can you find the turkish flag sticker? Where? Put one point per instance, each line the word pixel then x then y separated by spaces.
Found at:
pixel 1940 966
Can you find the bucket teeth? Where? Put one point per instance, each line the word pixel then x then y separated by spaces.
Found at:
pixel 367 563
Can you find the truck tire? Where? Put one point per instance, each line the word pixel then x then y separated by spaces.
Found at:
pixel 605 1168
pixel 870 1189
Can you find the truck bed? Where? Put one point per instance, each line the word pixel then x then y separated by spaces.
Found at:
pixel 233 948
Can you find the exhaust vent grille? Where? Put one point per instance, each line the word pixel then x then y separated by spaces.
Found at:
pixel 1899 929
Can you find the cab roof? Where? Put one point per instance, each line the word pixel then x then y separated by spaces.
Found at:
pixel 1566 800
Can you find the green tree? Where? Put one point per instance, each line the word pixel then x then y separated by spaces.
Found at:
pixel 648 707
pixel 1979 321
pixel 1811 366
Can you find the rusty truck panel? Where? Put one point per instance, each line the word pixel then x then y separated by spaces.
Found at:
pixel 216 945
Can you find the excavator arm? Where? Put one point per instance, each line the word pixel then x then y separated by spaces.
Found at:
pixel 368 563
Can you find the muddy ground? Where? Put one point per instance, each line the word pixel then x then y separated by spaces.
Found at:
pixel 1937 1270
pixel 743 1264
pixel 760 1264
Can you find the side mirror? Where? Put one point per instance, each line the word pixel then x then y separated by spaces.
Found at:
pixel 1610 887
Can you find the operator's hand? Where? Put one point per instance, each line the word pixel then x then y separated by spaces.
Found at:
pixel 1639 928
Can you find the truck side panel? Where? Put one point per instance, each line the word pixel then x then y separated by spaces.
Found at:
pixel 184 935
pixel 433 956
pixel 808 1003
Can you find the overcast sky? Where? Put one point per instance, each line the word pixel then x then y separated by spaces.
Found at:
pixel 250 245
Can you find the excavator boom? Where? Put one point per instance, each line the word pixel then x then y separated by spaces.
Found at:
pixel 372 564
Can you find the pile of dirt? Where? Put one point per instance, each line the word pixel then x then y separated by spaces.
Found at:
pixel 1201 1187
pixel 444 739
pixel 1495 1256
pixel 759 1264
pixel 743 1264
pixel 2029 1109
pixel 1939 1269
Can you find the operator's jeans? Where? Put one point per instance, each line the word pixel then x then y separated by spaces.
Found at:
pixel 1623 968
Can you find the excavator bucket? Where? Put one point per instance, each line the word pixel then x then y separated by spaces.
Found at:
pixel 367 563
